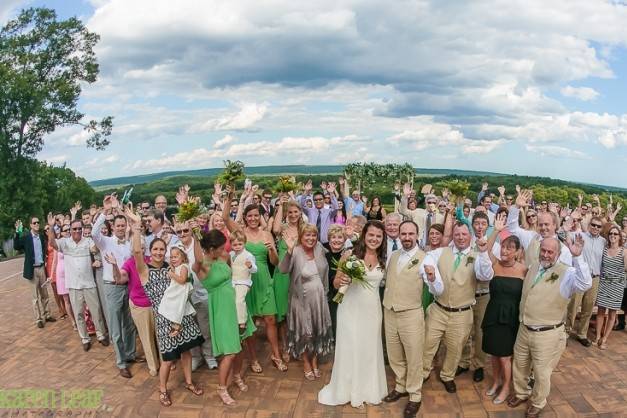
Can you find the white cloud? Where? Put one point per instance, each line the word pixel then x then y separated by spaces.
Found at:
pixel 610 138
pixel 582 93
pixel 245 119
pixel 227 139
pixel 557 152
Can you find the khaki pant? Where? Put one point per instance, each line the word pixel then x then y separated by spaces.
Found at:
pixel 144 320
pixel 587 301
pixel 78 297
pixel 544 350
pixel 473 356
pixel 240 302
pixel 39 294
pixel 404 338
pixel 451 327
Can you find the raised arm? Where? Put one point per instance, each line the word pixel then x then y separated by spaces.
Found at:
pixel 136 244
pixel 277 225
pixel 51 238
pixel 230 223
pixel 199 266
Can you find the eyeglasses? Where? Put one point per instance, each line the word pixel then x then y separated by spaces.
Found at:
pixel 145 207
pixel 614 234
pixel 576 219
pixel 596 225
pixel 65 230
pixel 77 229
pixel 182 231
pixel 267 197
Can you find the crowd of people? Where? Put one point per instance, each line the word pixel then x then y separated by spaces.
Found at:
pixel 506 277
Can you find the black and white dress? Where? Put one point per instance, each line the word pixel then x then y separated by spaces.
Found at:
pixel 189 337
pixel 612 281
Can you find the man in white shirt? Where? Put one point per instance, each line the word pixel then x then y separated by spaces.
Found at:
pixel 79 279
pixel 424 218
pixel 121 325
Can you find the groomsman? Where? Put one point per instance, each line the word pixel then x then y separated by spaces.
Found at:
pixel 450 318
pixel 404 318
pixel 541 338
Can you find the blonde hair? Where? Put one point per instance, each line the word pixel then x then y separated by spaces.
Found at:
pixel 184 257
pixel 238 235
pixel 335 229
pixel 306 228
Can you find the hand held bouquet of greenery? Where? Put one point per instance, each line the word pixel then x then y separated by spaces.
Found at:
pixel 233 172
pixel 356 270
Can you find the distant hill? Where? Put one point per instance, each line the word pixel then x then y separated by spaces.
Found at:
pixel 272 170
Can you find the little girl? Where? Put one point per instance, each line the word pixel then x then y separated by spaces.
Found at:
pixel 243 265
pixel 175 303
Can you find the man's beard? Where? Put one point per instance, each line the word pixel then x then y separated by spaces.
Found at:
pixel 546 264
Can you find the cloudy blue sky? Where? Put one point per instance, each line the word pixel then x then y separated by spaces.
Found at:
pixel 524 87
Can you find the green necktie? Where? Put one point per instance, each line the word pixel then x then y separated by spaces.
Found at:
pixel 458 260
pixel 538 277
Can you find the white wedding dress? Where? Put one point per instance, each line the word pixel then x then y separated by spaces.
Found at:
pixel 358 374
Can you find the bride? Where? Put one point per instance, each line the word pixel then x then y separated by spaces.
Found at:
pixel 358 374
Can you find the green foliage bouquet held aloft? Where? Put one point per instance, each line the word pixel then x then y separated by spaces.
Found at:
pixel 286 184
pixel 189 208
pixel 458 188
pixel 233 172
pixel 356 270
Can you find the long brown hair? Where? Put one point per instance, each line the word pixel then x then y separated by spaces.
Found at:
pixel 360 246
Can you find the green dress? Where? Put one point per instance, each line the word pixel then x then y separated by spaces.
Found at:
pixel 260 299
pixel 223 326
pixel 281 285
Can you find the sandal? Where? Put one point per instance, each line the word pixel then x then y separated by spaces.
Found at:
pixel 278 363
pixel 164 398
pixel 223 393
pixel 603 344
pixel 64 316
pixel 240 382
pixel 286 357
pixel 317 373
pixel 256 367
pixel 310 375
pixel 194 389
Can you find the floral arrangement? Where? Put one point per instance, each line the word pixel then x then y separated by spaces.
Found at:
pixel 470 260
pixel 286 184
pixel 553 278
pixel 233 172
pixel 356 270
pixel 458 188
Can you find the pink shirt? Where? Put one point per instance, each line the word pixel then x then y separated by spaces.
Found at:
pixel 135 289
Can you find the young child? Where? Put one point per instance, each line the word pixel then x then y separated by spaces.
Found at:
pixel 243 265
pixel 175 303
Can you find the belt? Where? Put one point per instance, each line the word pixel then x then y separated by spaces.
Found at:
pixel 447 309
pixel 546 328
pixel 482 294
pixel 37 265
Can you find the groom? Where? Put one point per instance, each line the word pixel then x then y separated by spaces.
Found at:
pixel 404 319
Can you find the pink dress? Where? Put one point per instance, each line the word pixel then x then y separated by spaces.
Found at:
pixel 61 289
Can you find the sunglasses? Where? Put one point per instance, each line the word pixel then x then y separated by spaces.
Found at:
pixel 182 231
pixel 614 234
pixel 596 225
pixel 77 229
pixel 532 215
pixel 65 230
pixel 145 207
pixel 35 223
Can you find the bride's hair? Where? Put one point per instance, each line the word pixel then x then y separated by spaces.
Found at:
pixel 360 246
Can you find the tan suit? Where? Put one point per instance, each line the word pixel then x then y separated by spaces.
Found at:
pixel 541 305
pixel 452 327
pixel 404 323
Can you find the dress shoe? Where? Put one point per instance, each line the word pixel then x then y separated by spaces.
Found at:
pixel 125 373
pixel 533 412
pixel 411 409
pixel 450 386
pixel 514 401
pixel 477 376
pixel 619 326
pixel 104 341
pixel 394 396
pixel 584 341
pixel 86 346
pixel 40 324
pixel 50 319
pixel 137 360
pixel 460 370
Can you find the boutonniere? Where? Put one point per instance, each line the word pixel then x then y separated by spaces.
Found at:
pixel 413 262
pixel 470 260
pixel 554 277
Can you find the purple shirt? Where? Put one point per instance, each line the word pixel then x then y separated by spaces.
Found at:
pixel 326 216
pixel 135 289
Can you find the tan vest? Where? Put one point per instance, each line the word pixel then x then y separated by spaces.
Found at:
pixel 459 285
pixel 239 269
pixel 403 289
pixel 543 304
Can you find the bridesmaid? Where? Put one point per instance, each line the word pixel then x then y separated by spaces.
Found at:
pixel 308 321
pixel 286 226
pixel 500 322
pixel 261 301
pixel 215 273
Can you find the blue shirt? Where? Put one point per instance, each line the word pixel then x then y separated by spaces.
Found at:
pixel 39 257
pixel 356 208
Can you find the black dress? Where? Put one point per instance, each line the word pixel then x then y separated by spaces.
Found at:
pixel 332 259
pixel 500 322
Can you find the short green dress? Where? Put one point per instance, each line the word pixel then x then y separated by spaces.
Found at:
pixel 223 326
pixel 281 285
pixel 260 299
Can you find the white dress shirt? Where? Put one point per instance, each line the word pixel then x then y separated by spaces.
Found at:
pixel 121 249
pixel 77 262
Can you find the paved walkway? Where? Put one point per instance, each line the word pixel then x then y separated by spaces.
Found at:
pixel 588 382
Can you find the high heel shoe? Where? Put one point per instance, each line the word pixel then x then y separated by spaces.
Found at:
pixel 237 379
pixel 278 363
pixel 223 393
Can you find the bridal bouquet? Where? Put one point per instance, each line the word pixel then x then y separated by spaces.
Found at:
pixel 233 172
pixel 286 184
pixel 356 270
